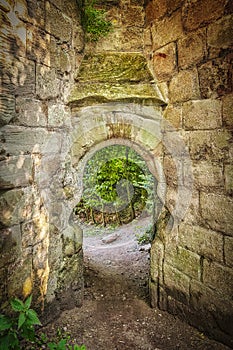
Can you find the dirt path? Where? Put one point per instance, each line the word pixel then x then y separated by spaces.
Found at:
pixel 116 314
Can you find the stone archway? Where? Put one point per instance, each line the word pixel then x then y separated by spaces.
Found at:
pixel 142 128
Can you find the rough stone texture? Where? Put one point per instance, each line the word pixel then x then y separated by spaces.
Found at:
pixel 216 276
pixel 200 107
pixel 198 13
pixel 209 145
pixel 184 260
pixel 184 86
pixel 114 77
pixel 33 146
pixel 207 175
pixel 219 34
pixel 160 37
pixel 205 114
pixel 173 115
pixel 164 62
pixel 217 211
pixel 206 243
pixel 191 49
pixel 182 283
pixel 188 56
pixel 216 78
pixel 228 172
pixel 228 250
pixel 228 111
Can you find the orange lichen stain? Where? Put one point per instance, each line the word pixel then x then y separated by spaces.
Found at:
pixel 27 287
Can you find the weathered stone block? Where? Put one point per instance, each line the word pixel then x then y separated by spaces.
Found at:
pixel 57 115
pixel 35 231
pixel 207 175
pixel 191 49
pixel 5 6
pixel 17 33
pixel 10 205
pixel 176 283
pixel 185 261
pixel 57 23
pixel 173 115
pixel 219 34
pixel 10 245
pixel 213 309
pixel 72 240
pixel 19 140
pixel 30 112
pixel 192 214
pixel 167 30
pixel 47 83
pixel 202 241
pixel 209 145
pixel 37 45
pixel 36 12
pixel 78 38
pixel 228 111
pixel 219 278
pixel 204 114
pixel 67 59
pixel 184 86
pixel 217 211
pixel 228 172
pixel 20 280
pixel 228 250
pixel 156 255
pixel 16 172
pixel 215 78
pixel 68 7
pixel 7 106
pixel 173 5
pixel 133 16
pixel 173 171
pixel 23 77
pixel 155 10
pixel 198 13
pixel 164 62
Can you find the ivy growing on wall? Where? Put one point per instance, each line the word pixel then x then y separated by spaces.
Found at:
pixel 94 21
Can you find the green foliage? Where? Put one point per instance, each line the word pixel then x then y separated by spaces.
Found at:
pixel 12 330
pixel 94 21
pixel 117 186
pixel 62 345
pixel 146 237
pixel 18 332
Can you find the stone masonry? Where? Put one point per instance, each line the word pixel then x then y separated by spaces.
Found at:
pixel 175 109
pixel 189 48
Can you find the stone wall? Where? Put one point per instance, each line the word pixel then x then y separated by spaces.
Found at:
pixel 186 139
pixel 41 45
pixel 189 48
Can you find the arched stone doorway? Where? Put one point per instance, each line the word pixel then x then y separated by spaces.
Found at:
pixel 143 129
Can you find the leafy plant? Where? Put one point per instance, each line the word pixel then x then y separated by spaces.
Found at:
pixel 13 330
pixel 18 332
pixel 116 177
pixel 62 345
pixel 94 21
pixel 146 237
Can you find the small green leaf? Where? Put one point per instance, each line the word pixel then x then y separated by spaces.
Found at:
pixel 17 305
pixel 28 301
pixel 21 320
pixel 5 323
pixel 32 317
pixel 9 341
